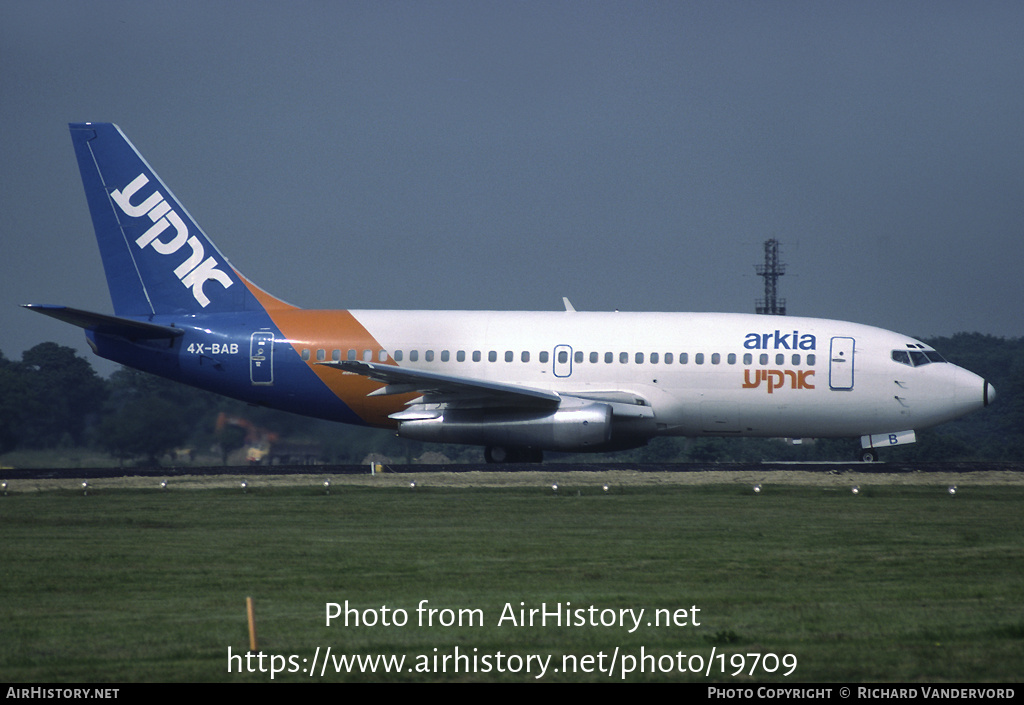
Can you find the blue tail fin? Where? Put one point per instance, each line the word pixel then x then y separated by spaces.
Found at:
pixel 157 259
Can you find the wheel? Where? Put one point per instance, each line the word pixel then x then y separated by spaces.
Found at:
pixel 496 454
pixel 869 455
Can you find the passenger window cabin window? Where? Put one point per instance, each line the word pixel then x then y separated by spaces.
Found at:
pixel 609 358
pixel 414 355
pixel 639 358
pixel 748 359
pixel 543 357
pixel 780 359
pixel 699 358
pixel 305 354
pixel 351 354
pixel 398 355
pixel 732 358
pixel 684 358
pixel 429 356
pixel 763 359
pixel 492 356
pixel 367 355
pixel 563 357
pixel 460 356
pixel 796 359
pixel 668 358
pixel 623 358
pixel 811 359
pixel 445 356
pixel 654 358
pixel 476 356
pixel 716 358
pixel 336 355
pixel 578 356
pixel 525 357
pixel 509 356
pixel 594 357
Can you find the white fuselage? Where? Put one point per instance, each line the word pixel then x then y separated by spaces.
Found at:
pixel 700 373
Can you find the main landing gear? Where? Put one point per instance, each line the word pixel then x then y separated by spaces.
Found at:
pixel 505 454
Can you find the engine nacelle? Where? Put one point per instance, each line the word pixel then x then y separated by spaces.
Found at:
pixel 576 428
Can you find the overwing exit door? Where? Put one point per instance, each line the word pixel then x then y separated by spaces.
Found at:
pixel 563 361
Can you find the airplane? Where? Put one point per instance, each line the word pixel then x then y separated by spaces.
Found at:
pixel 516 383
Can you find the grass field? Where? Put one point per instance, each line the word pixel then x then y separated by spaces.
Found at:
pixel 132 584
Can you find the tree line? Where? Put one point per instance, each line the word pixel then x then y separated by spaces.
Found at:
pixel 52 398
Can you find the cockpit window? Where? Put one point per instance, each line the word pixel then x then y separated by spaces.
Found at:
pixel 916 358
pixel 902 357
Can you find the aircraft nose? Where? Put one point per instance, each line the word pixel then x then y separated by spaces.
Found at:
pixel 972 392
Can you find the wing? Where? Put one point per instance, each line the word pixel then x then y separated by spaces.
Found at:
pixel 461 392
pixel 447 389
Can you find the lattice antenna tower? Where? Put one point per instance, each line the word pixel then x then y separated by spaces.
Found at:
pixel 771 270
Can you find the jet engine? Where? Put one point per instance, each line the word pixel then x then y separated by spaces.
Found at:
pixel 576 428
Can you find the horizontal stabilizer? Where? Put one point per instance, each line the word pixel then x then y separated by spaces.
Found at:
pixel 106 325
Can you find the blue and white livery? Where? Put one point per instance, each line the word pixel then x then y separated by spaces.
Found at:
pixel 517 383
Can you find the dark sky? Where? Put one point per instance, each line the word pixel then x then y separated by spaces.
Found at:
pixel 630 155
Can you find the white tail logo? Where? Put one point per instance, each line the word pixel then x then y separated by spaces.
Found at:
pixel 194 271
